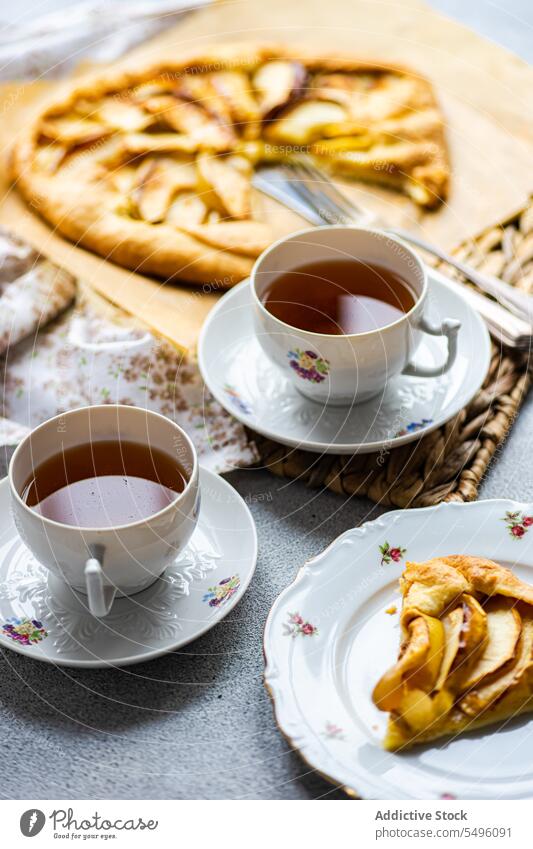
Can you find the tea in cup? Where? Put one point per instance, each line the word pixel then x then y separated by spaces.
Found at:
pixel 105 497
pixel 341 310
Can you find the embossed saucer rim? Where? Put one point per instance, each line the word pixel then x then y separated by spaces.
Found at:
pixel 212 485
pixel 480 367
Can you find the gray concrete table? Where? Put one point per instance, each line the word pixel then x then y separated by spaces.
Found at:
pixel 198 723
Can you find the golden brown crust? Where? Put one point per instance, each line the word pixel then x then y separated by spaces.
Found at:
pixel 487 577
pixel 448 577
pixel 476 621
pixel 82 206
pixel 170 253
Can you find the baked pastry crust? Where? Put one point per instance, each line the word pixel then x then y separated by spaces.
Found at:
pixel 102 160
pixel 466 655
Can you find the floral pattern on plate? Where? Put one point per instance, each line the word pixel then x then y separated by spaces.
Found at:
pixel 308 365
pixel 297 626
pixel 236 400
pixel 517 524
pixel 333 732
pixel 391 554
pixel 345 592
pixel 222 592
pixel 25 631
pixel 413 427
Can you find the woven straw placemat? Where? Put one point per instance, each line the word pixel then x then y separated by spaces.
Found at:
pixel 449 463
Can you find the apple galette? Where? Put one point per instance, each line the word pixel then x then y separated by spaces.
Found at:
pixel 151 165
pixel 466 654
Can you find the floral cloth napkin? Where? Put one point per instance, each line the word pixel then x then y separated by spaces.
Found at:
pixel 61 348
pixel 49 45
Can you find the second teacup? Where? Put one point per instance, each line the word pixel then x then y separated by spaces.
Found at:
pixel 346 367
pixel 136 531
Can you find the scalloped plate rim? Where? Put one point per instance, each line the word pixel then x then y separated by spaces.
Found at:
pixel 307 745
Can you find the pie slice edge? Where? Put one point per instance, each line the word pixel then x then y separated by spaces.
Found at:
pixel 466 653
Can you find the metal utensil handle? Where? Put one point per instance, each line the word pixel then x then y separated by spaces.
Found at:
pixel 517 301
pixel 508 327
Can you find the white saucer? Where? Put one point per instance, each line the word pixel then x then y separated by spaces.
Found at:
pixel 334 631
pixel 247 384
pixel 44 619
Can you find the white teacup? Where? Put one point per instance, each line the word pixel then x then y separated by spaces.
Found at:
pixel 104 562
pixel 354 367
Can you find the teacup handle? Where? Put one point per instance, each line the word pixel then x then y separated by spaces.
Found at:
pixel 99 595
pixel 449 328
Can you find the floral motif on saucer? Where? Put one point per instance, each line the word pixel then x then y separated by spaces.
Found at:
pixel 25 631
pixel 308 365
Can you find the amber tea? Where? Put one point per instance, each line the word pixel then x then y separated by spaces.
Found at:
pixel 103 484
pixel 338 296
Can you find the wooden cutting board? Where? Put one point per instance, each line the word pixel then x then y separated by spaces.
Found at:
pixel 486 94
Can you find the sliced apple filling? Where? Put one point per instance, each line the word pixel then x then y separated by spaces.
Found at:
pixel 158 159
pixel 466 657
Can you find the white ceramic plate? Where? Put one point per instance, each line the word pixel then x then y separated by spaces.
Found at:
pixel 249 386
pixel 42 618
pixel 328 639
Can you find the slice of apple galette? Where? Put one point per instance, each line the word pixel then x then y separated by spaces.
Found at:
pixel 466 654
pixel 150 164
